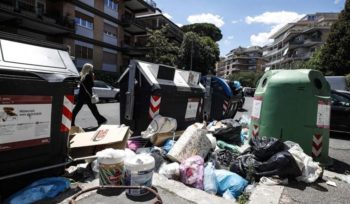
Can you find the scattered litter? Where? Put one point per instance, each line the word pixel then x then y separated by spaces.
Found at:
pixel 311 170
pixel 41 189
pixel 230 181
pixel 192 172
pixel 210 184
pixel 171 171
pixel 229 131
pixel 192 142
pixel 273 181
pixel 159 124
pixel 331 183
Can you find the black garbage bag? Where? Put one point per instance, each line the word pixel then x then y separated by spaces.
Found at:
pixel 222 159
pixel 281 164
pixel 264 147
pixel 230 134
pixel 244 165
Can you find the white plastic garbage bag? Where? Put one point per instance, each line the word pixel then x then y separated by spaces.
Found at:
pixel 311 170
pixel 159 124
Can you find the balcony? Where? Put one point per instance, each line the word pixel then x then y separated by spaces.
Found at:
pixel 17 13
pixel 132 25
pixel 133 49
pixel 141 6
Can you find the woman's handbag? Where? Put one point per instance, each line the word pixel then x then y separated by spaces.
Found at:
pixel 94 97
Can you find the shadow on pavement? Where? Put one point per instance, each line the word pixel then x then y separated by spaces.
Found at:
pixel 144 198
pixel 242 110
pixel 302 186
pixel 88 129
pixel 339 167
pixel 341 136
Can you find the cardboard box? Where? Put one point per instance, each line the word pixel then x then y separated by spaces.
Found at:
pixel 106 136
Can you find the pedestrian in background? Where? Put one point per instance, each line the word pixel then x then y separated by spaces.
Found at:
pixel 85 92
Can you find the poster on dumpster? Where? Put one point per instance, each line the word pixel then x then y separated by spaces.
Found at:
pixel 323 114
pixel 257 103
pixel 24 121
pixel 191 110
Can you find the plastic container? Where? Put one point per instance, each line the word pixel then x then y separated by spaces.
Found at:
pixel 138 172
pixel 111 166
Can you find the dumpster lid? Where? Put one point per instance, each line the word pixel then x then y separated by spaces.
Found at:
pixel 48 63
pixel 158 74
pixel 222 83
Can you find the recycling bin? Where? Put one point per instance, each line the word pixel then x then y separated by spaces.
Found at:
pixel 219 103
pixel 36 101
pixel 294 105
pixel 148 89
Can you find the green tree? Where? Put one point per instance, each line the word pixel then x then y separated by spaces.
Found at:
pixel 248 79
pixel 204 29
pixel 198 53
pixel 161 51
pixel 315 61
pixel 335 55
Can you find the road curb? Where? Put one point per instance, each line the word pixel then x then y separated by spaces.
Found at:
pixel 267 194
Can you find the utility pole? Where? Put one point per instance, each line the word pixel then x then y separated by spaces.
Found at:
pixel 191 54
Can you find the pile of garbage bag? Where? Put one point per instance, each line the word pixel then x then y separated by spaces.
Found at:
pixel 221 159
pixel 218 158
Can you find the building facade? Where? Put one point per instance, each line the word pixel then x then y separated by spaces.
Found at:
pixel 106 33
pixel 297 41
pixel 241 60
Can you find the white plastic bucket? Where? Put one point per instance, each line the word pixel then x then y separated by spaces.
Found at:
pixel 111 167
pixel 138 172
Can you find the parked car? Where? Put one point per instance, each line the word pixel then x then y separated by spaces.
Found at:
pixel 337 82
pixel 104 91
pixel 340 112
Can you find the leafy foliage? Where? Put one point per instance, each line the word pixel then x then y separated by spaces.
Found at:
pixel 335 55
pixel 204 29
pixel 161 51
pixel 198 53
pixel 248 79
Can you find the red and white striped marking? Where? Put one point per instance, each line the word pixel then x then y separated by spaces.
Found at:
pixel 316 145
pixel 224 107
pixel 68 103
pixel 255 131
pixel 154 106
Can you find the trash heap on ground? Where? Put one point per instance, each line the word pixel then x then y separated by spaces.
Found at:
pixel 218 157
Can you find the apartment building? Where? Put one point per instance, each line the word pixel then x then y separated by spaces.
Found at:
pixel 101 32
pixel 297 41
pixel 39 19
pixel 241 60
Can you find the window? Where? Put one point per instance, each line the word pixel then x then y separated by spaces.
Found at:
pixel 84 20
pixel 84 23
pixel 110 30
pixel 111 4
pixel 83 52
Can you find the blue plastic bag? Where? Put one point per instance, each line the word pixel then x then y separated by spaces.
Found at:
pixel 233 182
pixel 210 185
pixel 169 143
pixel 41 189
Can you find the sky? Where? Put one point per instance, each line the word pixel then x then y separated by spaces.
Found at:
pixel 244 22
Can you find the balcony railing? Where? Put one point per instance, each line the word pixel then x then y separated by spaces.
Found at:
pixel 39 13
pixel 151 3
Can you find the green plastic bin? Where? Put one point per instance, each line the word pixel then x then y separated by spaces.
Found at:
pixel 294 105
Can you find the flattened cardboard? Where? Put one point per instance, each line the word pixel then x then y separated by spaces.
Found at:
pixel 86 144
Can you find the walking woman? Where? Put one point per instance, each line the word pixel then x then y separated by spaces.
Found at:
pixel 85 93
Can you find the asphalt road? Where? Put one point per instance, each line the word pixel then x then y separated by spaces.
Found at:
pixel 295 192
